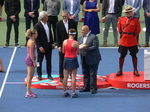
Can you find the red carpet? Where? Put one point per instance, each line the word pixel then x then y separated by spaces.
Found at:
pixel 56 84
pixel 126 81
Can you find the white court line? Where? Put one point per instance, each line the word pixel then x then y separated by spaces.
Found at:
pixel 14 82
pixel 8 69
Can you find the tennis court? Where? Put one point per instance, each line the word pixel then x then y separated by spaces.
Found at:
pixel 12 88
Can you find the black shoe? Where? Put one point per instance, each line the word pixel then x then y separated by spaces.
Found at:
pixel 6 45
pixel 66 94
pixel 50 77
pixel 93 91
pixel 40 78
pixel 61 79
pixel 17 45
pixel 84 90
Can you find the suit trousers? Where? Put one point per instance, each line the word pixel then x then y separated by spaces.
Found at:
pixel 147 24
pixel 111 18
pixel 28 23
pixel 90 75
pixel 9 27
pixel 52 22
pixel 40 57
pixel 61 61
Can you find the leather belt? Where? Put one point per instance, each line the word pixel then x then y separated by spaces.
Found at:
pixel 129 33
pixel 111 13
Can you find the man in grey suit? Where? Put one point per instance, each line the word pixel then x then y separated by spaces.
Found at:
pixel 111 11
pixel 90 57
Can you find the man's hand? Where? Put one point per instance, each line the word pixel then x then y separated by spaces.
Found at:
pixel 59 49
pixel 42 50
pixel 13 18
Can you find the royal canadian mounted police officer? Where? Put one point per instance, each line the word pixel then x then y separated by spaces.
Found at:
pixel 129 28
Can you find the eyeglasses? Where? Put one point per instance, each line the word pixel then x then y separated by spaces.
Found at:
pixel 64 16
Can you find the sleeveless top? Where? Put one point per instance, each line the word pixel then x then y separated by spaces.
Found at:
pixel 28 51
pixel 70 52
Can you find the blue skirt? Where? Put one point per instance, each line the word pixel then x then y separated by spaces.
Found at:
pixel 70 63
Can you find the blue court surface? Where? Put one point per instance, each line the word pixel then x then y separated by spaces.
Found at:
pixel 12 88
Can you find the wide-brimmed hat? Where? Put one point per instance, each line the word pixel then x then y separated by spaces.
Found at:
pixel 128 8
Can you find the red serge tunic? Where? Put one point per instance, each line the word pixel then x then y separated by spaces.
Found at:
pixel 126 27
pixel 70 52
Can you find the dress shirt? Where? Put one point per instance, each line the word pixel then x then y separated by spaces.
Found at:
pixel 66 25
pixel 46 30
pixel 111 6
pixel 71 5
pixel 85 38
pixel 133 1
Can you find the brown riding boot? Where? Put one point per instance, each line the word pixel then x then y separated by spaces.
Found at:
pixel 135 72
pixel 121 62
pixel 146 45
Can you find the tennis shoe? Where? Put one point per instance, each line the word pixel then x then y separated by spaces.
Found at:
pixel 31 95
pixel 74 95
pixel 66 94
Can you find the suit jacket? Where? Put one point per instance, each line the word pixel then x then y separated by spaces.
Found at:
pixel 146 6
pixel 61 33
pixel 92 54
pixel 117 7
pixel 41 40
pixel 27 7
pixel 137 5
pixel 76 8
pixel 12 7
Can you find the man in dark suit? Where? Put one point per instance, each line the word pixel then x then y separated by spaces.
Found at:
pixel 44 43
pixel 12 9
pixel 62 28
pixel 31 13
pixel 90 57
pixel 111 11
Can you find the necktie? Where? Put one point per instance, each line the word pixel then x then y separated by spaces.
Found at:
pixel 31 5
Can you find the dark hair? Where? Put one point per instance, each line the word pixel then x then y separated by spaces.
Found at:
pixel 72 31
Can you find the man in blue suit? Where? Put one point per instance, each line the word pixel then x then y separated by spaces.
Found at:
pixel 146 7
pixel 73 8
pixel 90 57
pixel 137 4
pixel 31 13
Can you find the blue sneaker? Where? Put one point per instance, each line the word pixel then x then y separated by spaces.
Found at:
pixel 74 95
pixel 66 94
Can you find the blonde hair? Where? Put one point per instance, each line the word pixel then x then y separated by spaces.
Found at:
pixel 30 32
